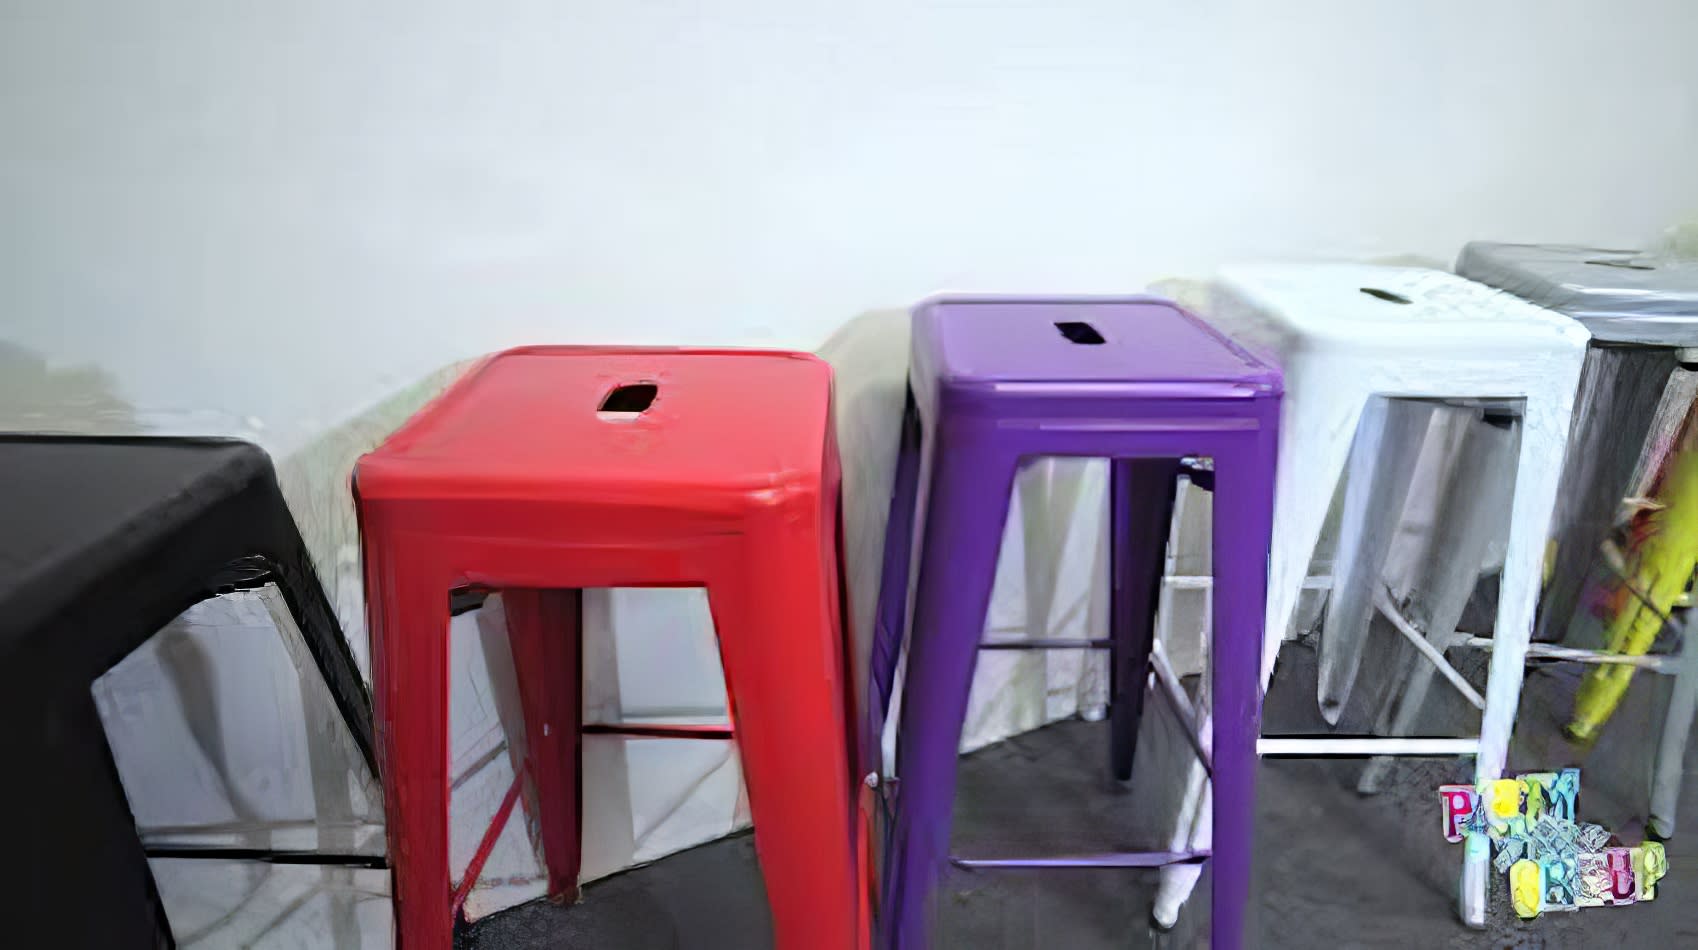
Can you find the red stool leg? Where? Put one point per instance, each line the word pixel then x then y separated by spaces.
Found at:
pixel 407 613
pixel 780 639
pixel 543 626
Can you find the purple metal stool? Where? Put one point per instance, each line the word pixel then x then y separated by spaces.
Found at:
pixel 994 382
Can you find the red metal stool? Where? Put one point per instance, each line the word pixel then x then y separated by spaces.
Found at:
pixel 550 469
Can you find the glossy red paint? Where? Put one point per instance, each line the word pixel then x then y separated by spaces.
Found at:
pixel 725 475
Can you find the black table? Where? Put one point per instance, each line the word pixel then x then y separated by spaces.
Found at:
pixel 103 541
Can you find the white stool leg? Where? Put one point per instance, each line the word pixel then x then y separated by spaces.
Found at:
pixel 1544 432
pixel 1671 749
pixel 1194 828
pixel 1386 446
pixel 1316 427
pixel 1195 832
pixel 1473 506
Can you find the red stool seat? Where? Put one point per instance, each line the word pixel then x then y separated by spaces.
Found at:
pixel 546 470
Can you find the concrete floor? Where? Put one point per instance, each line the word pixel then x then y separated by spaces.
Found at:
pixel 1333 868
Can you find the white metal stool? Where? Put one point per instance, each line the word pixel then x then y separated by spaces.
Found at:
pixel 1351 338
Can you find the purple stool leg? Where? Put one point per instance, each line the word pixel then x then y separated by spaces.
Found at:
pixel 1243 528
pixel 1140 513
pixel 891 618
pixel 963 538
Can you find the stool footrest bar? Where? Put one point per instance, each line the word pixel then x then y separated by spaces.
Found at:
pixel 1663 663
pixel 376 862
pixel 656 731
pixel 1050 644
pixel 1169 688
pixel 474 867
pixel 1374 745
pixel 1107 859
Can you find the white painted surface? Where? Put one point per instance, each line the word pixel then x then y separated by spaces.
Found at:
pixel 1388 746
pixel 224 219
pixel 1449 338
pixel 269 218
pixel 1418 333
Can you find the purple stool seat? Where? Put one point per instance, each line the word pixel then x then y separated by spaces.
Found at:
pixel 994 382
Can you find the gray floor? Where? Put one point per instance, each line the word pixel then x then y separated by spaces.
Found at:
pixel 1333 868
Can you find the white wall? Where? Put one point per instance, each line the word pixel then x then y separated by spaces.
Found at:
pixel 279 213
pixel 264 219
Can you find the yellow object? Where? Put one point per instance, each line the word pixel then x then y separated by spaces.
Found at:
pixel 1506 797
pixel 1538 786
pixel 1659 566
pixel 1527 888
pixel 1650 863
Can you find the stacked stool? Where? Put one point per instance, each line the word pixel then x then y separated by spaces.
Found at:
pixel 1642 312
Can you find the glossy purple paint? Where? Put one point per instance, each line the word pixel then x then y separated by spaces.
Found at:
pixel 997 381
